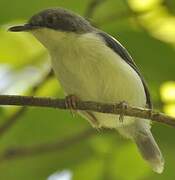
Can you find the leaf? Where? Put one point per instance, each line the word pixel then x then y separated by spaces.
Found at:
pixel 23 48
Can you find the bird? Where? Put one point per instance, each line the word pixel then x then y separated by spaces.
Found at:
pixel 91 65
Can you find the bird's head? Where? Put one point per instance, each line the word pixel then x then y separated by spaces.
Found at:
pixel 46 24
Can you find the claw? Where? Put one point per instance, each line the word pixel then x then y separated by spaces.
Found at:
pixel 71 104
pixel 123 106
pixel 150 113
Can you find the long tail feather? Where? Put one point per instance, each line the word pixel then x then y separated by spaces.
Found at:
pixel 150 150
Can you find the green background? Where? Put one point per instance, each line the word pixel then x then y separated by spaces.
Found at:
pixel 147 30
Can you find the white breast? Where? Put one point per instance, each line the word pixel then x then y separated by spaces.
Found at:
pixel 87 68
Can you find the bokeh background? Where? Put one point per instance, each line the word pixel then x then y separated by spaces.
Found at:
pixel 41 143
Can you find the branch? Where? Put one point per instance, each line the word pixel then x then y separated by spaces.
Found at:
pixel 129 13
pixel 91 8
pixel 10 121
pixel 19 152
pixel 90 106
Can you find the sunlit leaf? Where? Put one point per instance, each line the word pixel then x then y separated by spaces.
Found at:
pixel 169 109
pixel 142 5
pixel 167 92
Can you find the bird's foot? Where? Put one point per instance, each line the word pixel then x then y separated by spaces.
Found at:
pixel 150 113
pixel 123 105
pixel 71 103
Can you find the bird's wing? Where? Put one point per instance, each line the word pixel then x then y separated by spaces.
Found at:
pixel 123 53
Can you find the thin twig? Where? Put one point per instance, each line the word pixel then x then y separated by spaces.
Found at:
pixel 128 13
pixel 9 122
pixel 91 8
pixel 19 152
pixel 87 105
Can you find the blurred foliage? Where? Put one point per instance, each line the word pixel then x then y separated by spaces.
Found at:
pixel 147 29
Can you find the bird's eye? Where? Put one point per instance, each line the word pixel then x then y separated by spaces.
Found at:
pixel 50 20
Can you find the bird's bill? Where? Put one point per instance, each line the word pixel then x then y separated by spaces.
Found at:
pixel 25 27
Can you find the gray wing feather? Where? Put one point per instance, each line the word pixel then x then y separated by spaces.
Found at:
pixel 122 52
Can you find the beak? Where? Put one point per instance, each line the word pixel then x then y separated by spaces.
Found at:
pixel 25 27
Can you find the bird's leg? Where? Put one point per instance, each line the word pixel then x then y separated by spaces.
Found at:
pixel 71 103
pixel 93 120
pixel 123 105
pixel 150 113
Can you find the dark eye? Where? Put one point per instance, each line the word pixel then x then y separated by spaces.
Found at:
pixel 50 20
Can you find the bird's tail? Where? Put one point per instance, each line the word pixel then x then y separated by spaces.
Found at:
pixel 147 146
pixel 150 151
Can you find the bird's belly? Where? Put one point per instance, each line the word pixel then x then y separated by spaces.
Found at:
pixel 101 80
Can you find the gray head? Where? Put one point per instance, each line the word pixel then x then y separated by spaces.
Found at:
pixel 57 19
